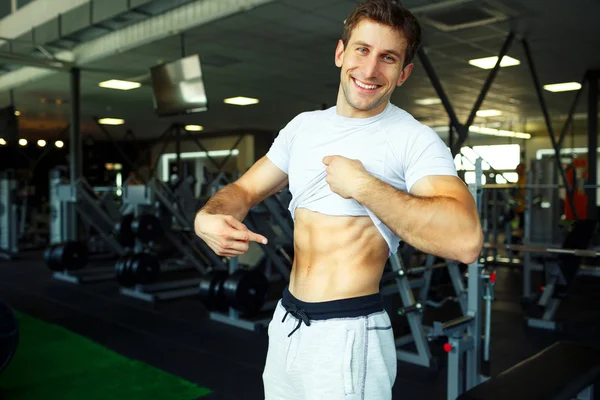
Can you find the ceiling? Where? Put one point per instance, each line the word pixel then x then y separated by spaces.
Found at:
pixel 282 53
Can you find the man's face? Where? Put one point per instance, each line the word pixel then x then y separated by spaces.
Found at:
pixel 371 67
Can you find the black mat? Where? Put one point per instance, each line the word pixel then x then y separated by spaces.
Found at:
pixel 177 337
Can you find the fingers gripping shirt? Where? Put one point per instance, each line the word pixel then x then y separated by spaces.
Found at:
pixel 392 146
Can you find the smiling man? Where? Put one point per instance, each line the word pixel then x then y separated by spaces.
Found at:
pixel 363 176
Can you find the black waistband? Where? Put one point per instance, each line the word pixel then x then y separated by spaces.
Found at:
pixel 343 308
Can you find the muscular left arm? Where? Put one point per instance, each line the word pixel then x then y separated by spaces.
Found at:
pixel 439 216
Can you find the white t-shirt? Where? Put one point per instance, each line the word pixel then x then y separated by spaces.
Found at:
pixel 393 147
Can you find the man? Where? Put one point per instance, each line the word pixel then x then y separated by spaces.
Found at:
pixel 362 175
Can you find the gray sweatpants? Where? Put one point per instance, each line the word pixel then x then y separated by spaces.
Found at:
pixel 342 349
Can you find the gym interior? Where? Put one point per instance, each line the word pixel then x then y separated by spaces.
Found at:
pixel 121 118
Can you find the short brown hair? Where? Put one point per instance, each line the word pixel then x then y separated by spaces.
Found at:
pixel 389 13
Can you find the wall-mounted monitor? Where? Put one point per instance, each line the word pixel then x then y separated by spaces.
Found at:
pixel 178 87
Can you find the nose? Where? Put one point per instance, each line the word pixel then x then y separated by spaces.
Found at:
pixel 370 67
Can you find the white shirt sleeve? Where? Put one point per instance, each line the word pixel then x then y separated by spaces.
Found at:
pixel 427 155
pixel 279 152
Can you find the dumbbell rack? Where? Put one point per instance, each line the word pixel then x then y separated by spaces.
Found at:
pixel 232 317
pixel 91 275
pixel 162 291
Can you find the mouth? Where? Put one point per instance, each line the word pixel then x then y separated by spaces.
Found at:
pixel 365 87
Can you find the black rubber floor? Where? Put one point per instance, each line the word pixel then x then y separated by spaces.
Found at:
pixel 177 336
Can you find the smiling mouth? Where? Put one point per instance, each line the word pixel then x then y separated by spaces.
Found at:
pixel 365 86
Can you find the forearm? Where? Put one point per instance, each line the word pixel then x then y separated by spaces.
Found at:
pixel 438 225
pixel 230 200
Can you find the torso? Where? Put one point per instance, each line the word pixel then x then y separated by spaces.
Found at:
pixel 335 257
pixel 340 247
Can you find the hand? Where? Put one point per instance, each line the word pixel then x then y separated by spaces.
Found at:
pixel 225 235
pixel 344 175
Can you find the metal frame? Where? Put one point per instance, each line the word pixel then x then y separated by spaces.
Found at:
pixel 593 81
pixel 544 107
pixel 164 290
pixel 91 275
pixel 463 129
pixel 9 245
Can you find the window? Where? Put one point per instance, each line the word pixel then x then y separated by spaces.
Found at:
pixel 500 157
pixel 511 177
pixel 470 178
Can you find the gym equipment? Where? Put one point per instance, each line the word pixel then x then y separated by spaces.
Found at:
pixel 9 334
pixel 244 291
pixel 97 212
pixel 139 268
pixel 239 298
pixel 413 308
pixel 563 371
pixel 70 256
pixel 123 231
pixel 561 273
pixel 8 216
pixel 211 290
pixel 157 214
pixel 146 227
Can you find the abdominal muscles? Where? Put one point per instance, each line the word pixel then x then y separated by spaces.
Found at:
pixel 335 257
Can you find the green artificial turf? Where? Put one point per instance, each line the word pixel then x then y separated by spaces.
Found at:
pixel 52 362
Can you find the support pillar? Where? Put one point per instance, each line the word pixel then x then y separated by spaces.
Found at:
pixel 592 192
pixel 75 150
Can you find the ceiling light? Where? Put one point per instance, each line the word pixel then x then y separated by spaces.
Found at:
pixel 2 142
pixel 496 132
pixel 490 62
pixel 488 113
pixel 119 85
pixel 41 143
pixel 17 113
pixel 23 142
pixel 563 87
pixel 111 121
pixel 428 102
pixel 241 101
pixel 194 128
pixel 60 144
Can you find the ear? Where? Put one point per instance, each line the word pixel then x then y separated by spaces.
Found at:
pixel 405 74
pixel 339 54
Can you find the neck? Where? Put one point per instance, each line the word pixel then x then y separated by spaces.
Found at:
pixel 344 109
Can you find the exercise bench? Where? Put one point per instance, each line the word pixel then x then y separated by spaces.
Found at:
pixel 563 371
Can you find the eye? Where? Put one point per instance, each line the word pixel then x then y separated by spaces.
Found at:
pixel 389 59
pixel 362 50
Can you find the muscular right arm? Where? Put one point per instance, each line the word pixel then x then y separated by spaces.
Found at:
pixel 262 180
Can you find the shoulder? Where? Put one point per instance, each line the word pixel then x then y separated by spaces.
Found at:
pixel 402 127
pixel 307 118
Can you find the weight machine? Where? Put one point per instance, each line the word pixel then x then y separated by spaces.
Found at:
pixel 466 351
pixel 170 213
pixel 99 214
pixel 9 245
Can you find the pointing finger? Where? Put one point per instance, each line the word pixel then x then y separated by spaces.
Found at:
pixel 258 238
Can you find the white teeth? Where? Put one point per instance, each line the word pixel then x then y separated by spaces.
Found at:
pixel 364 86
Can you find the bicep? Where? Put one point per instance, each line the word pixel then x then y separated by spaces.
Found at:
pixel 447 186
pixel 262 180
